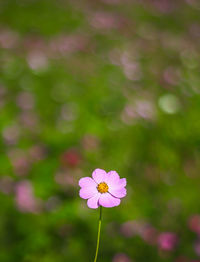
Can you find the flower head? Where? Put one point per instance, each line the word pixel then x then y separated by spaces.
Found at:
pixel 103 189
pixel 167 240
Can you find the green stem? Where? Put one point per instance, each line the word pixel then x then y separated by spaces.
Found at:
pixel 99 232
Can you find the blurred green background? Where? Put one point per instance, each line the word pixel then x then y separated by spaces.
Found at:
pixel 113 84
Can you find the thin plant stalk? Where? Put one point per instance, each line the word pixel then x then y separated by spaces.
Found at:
pixel 99 233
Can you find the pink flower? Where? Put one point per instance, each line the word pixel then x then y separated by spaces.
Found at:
pixel 121 257
pixel 25 198
pixel 197 247
pixel 103 189
pixel 167 241
pixel 71 158
pixel 194 223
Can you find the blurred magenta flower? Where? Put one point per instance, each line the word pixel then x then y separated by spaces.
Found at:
pixel 121 257
pixel 103 189
pixel 194 223
pixel 25 100
pixel 8 39
pixel 130 228
pixel 197 247
pixel 37 153
pixel 11 134
pixel 71 158
pixel 20 161
pixel 65 178
pixel 37 60
pixel 104 20
pixel 90 142
pixel 149 234
pixel 29 120
pixel 167 241
pixel 25 199
pixel 67 44
pixel 164 6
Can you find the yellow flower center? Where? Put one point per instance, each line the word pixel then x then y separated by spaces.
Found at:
pixel 102 187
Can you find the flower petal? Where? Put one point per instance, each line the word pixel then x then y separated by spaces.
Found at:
pixel 106 200
pixel 99 175
pixel 93 201
pixel 87 192
pixel 112 178
pixel 121 183
pixel 87 182
pixel 121 192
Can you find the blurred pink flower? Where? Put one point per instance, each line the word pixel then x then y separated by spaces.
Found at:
pixel 121 257
pixel 8 39
pixel 71 158
pixel 138 109
pixel 37 60
pixel 11 134
pixel 90 142
pixel 171 75
pixel 130 65
pixel 194 223
pixel 67 44
pixel 149 234
pixel 105 20
pixel 164 6
pixel 34 43
pixel 25 100
pixel 197 247
pixel 37 152
pixel 103 189
pixel 68 111
pixel 25 198
pixel 193 3
pixel 145 109
pixel 195 30
pixel 131 228
pixel 29 120
pixel 20 161
pixel 167 241
pixel 132 71
pixel 65 178
pixel 113 2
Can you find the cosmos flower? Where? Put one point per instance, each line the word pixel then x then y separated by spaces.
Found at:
pixel 103 189
pixel 167 241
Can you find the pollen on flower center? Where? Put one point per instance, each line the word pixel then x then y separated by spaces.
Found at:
pixel 102 187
